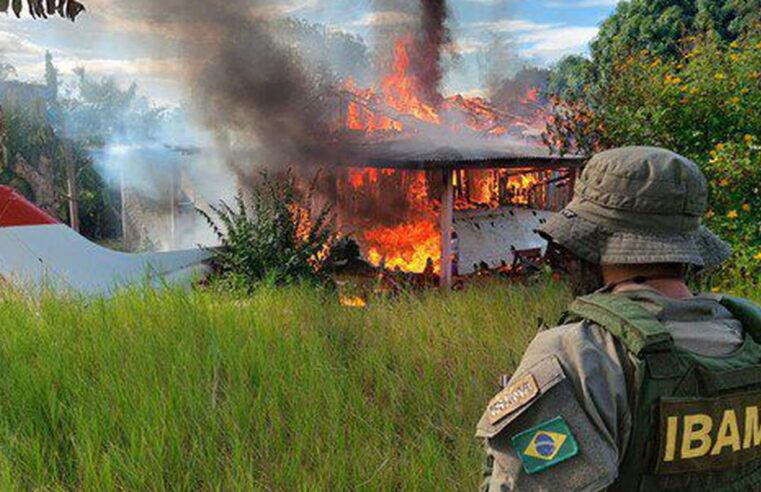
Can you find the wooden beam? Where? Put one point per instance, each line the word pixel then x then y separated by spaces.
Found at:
pixel 172 207
pixel 71 179
pixel 447 216
pixel 123 200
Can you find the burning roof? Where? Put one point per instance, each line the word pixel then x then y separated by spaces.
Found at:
pixel 460 152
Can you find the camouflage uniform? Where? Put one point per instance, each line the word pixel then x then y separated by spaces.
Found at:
pixel 582 411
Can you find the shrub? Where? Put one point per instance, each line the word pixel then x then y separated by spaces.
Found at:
pixel 711 95
pixel 706 106
pixel 734 178
pixel 274 234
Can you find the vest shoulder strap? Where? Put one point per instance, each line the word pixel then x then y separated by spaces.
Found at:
pixel 635 326
pixel 748 313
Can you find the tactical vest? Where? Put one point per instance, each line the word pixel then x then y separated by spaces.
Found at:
pixel 696 420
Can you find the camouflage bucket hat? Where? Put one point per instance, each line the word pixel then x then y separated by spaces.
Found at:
pixel 638 205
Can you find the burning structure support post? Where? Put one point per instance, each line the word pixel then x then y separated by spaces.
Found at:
pixel 447 217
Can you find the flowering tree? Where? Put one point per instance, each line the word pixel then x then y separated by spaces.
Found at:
pixel 705 104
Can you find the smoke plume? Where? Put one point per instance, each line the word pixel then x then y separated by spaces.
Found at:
pixel 259 95
pixel 429 33
pixel 253 91
pixel 430 43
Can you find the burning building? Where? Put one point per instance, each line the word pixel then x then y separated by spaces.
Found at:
pixel 453 188
pixel 423 181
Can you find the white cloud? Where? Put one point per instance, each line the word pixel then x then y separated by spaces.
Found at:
pixel 383 18
pixel 510 26
pixel 131 69
pixel 552 44
pixel 13 44
pixel 489 2
pixel 581 3
pixel 546 42
pixel 467 45
pixel 282 9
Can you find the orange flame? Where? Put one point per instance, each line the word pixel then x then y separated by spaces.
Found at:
pixel 408 247
pixel 413 245
pixel 400 89
pixel 353 302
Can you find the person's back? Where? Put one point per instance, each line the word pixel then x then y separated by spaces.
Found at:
pixel 645 387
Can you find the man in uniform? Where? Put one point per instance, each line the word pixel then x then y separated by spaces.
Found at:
pixel 646 386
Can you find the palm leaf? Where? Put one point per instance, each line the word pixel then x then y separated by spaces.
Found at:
pixel 68 9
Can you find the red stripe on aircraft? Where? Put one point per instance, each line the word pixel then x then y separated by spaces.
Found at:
pixel 15 210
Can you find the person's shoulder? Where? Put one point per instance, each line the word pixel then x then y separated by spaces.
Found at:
pixel 541 403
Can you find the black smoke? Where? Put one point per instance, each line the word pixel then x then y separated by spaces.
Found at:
pixel 252 90
pixel 429 47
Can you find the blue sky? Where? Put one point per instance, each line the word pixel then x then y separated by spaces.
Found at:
pixel 108 40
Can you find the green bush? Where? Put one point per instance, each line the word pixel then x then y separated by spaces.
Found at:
pixel 273 235
pixel 711 95
pixel 705 105
pixel 734 178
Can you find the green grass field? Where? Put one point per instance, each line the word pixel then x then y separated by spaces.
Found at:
pixel 285 390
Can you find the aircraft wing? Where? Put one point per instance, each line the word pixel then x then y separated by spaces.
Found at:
pixel 38 251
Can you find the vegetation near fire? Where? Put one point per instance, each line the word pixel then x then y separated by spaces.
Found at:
pixel 278 390
pixel 272 234
pixel 700 97
pixel 283 389
pixel 274 375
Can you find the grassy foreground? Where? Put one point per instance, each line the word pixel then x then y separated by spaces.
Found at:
pixel 286 390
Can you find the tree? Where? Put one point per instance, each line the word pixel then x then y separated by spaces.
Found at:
pixel 102 111
pixel 343 54
pixel 570 77
pixel 68 9
pixel 705 105
pixel 6 71
pixel 51 76
pixel 658 26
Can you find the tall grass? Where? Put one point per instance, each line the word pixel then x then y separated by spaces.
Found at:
pixel 285 390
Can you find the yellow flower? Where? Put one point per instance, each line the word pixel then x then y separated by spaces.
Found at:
pixel 724 183
pixel 655 63
pixel 732 214
pixel 746 207
pixel 758 256
pixel 734 57
pixel 720 146
pixel 676 80
pixel 748 139
pixel 715 290
pixel 720 76
pixel 694 91
pixel 734 44
pixel 683 88
pixel 745 90
pixel 735 100
pixel 714 154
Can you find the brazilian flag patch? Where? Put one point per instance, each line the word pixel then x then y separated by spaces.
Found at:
pixel 545 445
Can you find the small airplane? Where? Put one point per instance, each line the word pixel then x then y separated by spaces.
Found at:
pixel 38 251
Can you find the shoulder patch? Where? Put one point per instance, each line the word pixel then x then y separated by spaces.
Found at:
pixel 516 395
pixel 545 445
